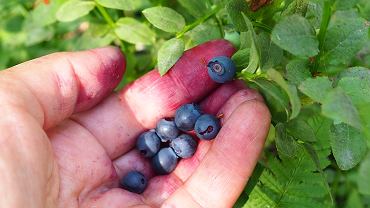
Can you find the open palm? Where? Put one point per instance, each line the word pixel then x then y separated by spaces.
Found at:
pixel 66 139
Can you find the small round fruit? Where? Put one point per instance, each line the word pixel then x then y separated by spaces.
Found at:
pixel 148 143
pixel 221 69
pixel 184 146
pixel 166 129
pixel 134 181
pixel 165 161
pixel 186 116
pixel 207 127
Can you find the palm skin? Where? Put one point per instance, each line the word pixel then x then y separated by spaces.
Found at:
pixel 66 139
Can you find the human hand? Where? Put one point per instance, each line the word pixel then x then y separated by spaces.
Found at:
pixel 65 139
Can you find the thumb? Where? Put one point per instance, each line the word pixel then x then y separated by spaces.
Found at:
pixel 53 87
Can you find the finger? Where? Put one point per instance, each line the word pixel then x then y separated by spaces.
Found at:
pixel 134 161
pixel 230 161
pixel 52 87
pixel 118 120
pixel 114 198
pixel 186 167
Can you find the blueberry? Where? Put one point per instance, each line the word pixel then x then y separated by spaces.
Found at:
pixel 184 146
pixel 148 143
pixel 207 127
pixel 221 69
pixel 165 161
pixel 186 116
pixel 167 130
pixel 134 181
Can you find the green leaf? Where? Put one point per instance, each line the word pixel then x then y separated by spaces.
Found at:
pixel 254 53
pixel 297 71
pixel 202 33
pixel 270 54
pixel 295 35
pixel 296 7
pixel 339 107
pixel 194 7
pixel 165 19
pixel 354 200
pixel 241 58
pixel 276 99
pixel 234 9
pixel 345 36
pixel 290 182
pixel 289 89
pixel 348 145
pixel 356 84
pixel 74 9
pixel 345 4
pixel 169 53
pixel 47 12
pixel 316 88
pixel 133 31
pixel 285 143
pixel 363 180
pixel 301 130
pixel 124 4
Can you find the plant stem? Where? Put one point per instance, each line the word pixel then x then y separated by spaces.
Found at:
pixel 198 22
pixel 111 23
pixel 264 27
pixel 323 28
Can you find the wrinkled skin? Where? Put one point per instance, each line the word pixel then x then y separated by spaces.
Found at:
pixel 66 139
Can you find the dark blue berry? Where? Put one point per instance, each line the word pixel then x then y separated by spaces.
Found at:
pixel 134 181
pixel 184 146
pixel 221 69
pixel 186 116
pixel 207 127
pixel 165 161
pixel 148 143
pixel 167 130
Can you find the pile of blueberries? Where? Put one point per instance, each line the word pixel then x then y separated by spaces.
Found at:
pixel 170 140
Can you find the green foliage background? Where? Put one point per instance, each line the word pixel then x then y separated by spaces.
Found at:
pixel 309 58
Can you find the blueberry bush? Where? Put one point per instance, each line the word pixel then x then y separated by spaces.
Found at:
pixel 310 60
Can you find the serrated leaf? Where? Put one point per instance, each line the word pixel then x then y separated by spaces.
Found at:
pixel 133 31
pixel 316 88
pixel 297 71
pixel 169 53
pixel 348 145
pixel 345 36
pixel 165 19
pixel 74 9
pixel 363 180
pixel 295 35
pixel 194 7
pixel 285 143
pixel 289 89
pixel 339 107
pixel 124 4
